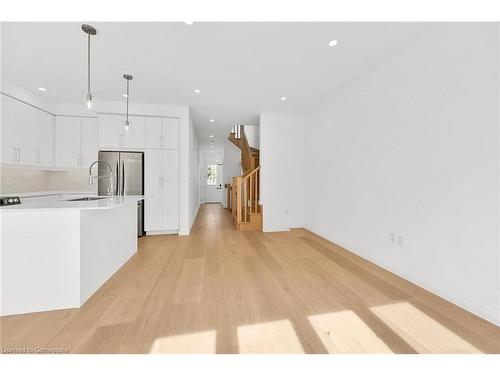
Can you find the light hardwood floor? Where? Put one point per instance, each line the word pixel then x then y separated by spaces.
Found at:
pixel 223 291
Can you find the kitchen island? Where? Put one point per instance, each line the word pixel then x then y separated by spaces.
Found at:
pixel 56 251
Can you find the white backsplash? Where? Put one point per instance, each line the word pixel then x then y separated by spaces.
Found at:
pixel 27 180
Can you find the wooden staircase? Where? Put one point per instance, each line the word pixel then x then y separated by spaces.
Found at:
pixel 244 192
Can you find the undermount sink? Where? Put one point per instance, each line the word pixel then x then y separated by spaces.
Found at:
pixel 84 199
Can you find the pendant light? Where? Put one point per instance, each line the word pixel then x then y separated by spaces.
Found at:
pixel 128 77
pixel 89 30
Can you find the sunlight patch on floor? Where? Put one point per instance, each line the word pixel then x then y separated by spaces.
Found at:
pixel 346 332
pixel 270 337
pixel 192 343
pixel 421 331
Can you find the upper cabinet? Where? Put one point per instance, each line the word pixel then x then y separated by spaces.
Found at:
pixel 44 139
pixel 27 134
pixel 76 141
pixel 24 133
pixel 89 141
pixel 170 133
pixel 153 132
pixel 9 141
pixel 134 137
pixel 144 132
pixel 162 132
pixel 112 133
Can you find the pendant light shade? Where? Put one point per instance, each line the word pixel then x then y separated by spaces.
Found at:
pixel 128 78
pixel 89 30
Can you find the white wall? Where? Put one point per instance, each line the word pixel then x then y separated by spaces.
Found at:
pixel 282 142
pixel 252 133
pixel 412 148
pixel 194 186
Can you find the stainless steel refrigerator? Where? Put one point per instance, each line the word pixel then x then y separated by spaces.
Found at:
pixel 128 178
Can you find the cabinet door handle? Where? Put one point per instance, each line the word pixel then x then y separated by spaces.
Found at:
pixel 78 159
pixel 19 154
pixel 38 156
pixel 15 154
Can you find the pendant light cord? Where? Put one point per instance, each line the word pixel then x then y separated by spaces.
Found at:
pixel 128 81
pixel 88 64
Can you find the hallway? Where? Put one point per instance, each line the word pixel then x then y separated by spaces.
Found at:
pixel 223 291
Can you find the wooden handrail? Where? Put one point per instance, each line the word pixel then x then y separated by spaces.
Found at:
pixel 245 189
pixel 246 156
pixel 246 195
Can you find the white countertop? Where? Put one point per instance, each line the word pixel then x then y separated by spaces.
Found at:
pixel 60 202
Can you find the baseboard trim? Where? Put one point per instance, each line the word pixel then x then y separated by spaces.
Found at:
pixel 487 313
pixel 159 232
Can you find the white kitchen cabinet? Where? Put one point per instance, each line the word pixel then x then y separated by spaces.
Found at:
pixel 170 189
pixel 9 146
pixel 162 133
pixel 76 141
pixel 153 190
pixel 161 177
pixel 170 133
pixel 44 139
pixel 24 133
pixel 27 134
pixel 67 154
pixel 89 134
pixel 112 133
pixel 134 137
pixel 153 132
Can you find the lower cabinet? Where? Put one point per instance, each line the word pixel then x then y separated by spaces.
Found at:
pixel 161 180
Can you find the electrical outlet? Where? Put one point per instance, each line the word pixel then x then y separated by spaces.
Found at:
pixel 392 238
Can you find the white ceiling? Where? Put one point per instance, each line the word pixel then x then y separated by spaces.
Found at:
pixel 242 69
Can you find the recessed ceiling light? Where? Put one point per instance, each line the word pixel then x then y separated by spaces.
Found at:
pixel 283 98
pixel 197 91
pixel 212 120
pixel 211 136
pixel 125 95
pixel 42 89
pixel 213 151
pixel 333 43
pixel 211 146
pixel 188 22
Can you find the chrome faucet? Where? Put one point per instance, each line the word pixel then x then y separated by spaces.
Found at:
pixel 91 178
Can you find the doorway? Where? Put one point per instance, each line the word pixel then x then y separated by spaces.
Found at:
pixel 213 182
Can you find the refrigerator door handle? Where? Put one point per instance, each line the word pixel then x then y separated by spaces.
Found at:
pixel 117 179
pixel 123 178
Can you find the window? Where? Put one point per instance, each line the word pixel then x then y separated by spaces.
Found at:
pixel 212 174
